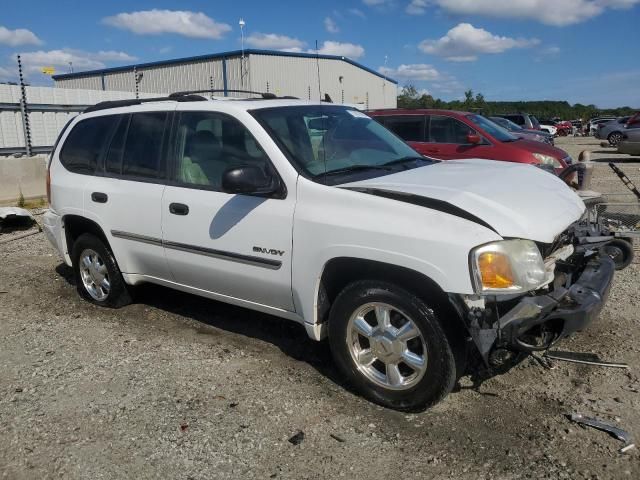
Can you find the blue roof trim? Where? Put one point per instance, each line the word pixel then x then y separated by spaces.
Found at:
pixel 233 53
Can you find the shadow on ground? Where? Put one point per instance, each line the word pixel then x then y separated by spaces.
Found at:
pixel 290 337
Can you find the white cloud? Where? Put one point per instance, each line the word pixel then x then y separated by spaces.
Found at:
pixel 156 22
pixel 357 12
pixel 414 72
pixel 377 3
pixel 273 41
pixel 330 25
pixel 464 42
pixel 6 74
pixel 349 50
pixel 417 7
pixel 19 36
pixel 550 12
pixel 81 60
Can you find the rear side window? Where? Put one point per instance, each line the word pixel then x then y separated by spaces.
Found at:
pixel 517 119
pixel 409 128
pixel 85 144
pixel 113 159
pixel 143 147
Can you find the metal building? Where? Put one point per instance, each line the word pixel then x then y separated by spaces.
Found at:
pixel 282 73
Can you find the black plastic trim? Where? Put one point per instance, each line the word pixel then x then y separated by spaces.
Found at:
pixel 208 252
pixel 431 203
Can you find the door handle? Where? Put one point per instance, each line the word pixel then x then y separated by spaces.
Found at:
pixel 99 197
pixel 179 209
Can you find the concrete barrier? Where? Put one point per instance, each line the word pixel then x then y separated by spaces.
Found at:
pixel 26 174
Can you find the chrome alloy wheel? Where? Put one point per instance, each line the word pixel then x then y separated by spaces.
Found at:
pixel 94 274
pixel 387 346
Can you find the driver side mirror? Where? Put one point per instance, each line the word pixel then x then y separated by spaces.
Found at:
pixel 473 138
pixel 248 179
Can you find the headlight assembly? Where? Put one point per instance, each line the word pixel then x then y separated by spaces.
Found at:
pixel 547 160
pixel 507 267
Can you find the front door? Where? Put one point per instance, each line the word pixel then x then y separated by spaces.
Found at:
pixel 447 139
pixel 234 245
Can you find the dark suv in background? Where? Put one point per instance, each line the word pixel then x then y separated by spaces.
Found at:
pixel 526 121
pixel 449 135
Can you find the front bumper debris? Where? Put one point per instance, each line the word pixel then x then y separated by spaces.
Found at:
pixel 526 324
pixel 571 310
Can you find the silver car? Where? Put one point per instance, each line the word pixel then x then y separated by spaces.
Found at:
pixel 630 142
pixel 612 130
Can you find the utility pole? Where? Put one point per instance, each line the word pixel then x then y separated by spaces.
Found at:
pixel 26 128
pixel 242 65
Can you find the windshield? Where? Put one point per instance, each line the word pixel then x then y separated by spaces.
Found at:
pixel 506 123
pixel 496 131
pixel 321 139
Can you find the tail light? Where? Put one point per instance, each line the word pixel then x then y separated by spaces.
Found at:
pixel 49 184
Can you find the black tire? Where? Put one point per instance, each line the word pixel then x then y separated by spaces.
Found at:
pixel 118 295
pixel 614 138
pixel 440 376
pixel 620 251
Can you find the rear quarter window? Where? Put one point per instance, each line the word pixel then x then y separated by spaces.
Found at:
pixel 86 143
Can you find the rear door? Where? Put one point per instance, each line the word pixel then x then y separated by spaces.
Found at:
pixel 233 245
pixel 125 197
pixel 410 128
pixel 447 138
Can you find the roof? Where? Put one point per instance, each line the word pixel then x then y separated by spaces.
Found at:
pixel 214 56
pixel 228 104
pixel 416 111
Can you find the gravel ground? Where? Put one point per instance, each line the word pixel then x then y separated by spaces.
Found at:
pixel 175 386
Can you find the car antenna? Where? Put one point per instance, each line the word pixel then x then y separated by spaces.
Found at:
pixel 324 126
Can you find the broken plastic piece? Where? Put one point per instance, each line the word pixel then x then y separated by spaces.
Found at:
pixel 605 427
pixel 297 438
pixel 580 357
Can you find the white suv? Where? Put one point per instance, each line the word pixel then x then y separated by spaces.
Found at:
pixel 415 269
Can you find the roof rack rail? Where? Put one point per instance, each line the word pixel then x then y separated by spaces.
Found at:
pixel 138 101
pixel 265 95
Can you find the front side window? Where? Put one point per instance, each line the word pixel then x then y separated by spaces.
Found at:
pixel 409 128
pixel 448 130
pixel 326 140
pixel 496 131
pixel 209 143
pixel 142 155
pixel 86 142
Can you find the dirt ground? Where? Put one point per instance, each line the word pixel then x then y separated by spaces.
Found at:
pixel 175 386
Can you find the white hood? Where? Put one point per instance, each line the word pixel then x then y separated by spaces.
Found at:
pixel 520 201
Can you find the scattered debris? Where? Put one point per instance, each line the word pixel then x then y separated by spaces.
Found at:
pixel 15 217
pixel 542 361
pixel 297 438
pixel 183 426
pixel 605 427
pixel 233 404
pixel 580 357
pixel 337 438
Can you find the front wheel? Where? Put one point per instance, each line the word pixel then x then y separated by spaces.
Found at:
pixel 614 138
pixel 390 346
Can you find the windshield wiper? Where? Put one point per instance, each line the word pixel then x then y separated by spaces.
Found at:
pixel 408 159
pixel 354 168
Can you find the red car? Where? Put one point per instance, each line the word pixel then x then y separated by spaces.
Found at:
pixel 447 135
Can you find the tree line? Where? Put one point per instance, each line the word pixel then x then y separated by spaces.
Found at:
pixel 475 102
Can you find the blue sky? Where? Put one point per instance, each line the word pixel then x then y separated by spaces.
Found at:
pixel 577 50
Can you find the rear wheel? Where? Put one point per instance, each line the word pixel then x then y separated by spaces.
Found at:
pixel 614 138
pixel 98 278
pixel 390 346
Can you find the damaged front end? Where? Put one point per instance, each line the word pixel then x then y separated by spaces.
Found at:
pixel 503 327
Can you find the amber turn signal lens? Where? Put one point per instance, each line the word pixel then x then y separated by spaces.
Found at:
pixel 495 270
